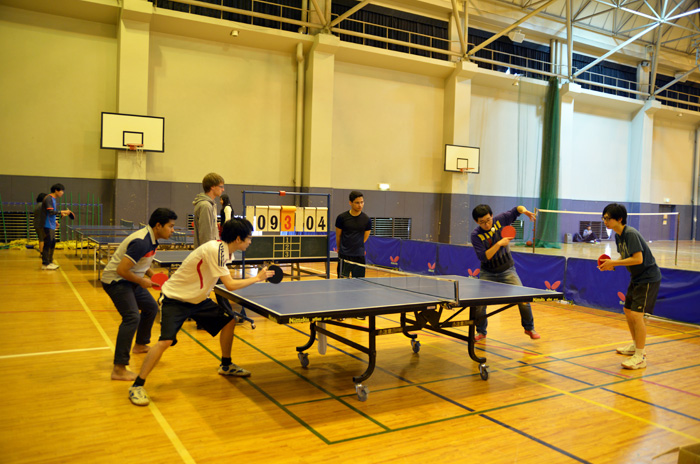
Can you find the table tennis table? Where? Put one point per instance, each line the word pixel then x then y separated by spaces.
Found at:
pixel 323 303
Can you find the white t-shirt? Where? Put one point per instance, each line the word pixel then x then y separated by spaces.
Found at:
pixel 195 278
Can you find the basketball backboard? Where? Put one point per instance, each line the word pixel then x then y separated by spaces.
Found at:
pixel 120 130
pixel 460 159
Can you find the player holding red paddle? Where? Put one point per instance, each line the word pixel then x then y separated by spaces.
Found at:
pixel 490 241
pixel 645 281
pixel 126 279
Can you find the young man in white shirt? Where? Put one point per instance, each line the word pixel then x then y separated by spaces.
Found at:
pixel 187 295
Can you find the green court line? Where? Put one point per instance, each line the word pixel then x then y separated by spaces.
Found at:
pixel 387 429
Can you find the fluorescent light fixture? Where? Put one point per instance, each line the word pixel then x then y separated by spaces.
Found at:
pixel 384 186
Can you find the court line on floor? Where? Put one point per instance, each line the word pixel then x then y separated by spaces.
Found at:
pixel 167 429
pixel 11 356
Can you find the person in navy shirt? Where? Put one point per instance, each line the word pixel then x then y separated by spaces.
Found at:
pixel 48 216
pixel 126 279
pixel 497 263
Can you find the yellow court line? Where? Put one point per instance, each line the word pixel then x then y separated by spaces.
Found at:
pixel 169 432
pixel 10 356
pixel 596 403
pixel 606 345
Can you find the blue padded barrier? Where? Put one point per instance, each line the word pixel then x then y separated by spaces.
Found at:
pixel 418 257
pixel 383 251
pixel 679 296
pixel 587 286
pixel 457 260
pixel 579 279
pixel 541 271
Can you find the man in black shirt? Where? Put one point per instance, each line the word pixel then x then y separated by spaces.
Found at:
pixel 352 229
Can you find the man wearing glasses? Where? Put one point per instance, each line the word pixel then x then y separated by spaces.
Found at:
pixel 644 285
pixel 497 263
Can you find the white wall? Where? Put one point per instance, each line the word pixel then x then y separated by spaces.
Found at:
pixel 672 162
pixel 387 127
pixel 598 165
pixel 507 126
pixel 227 109
pixel 58 74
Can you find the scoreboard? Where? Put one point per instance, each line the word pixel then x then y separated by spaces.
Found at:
pixel 288 218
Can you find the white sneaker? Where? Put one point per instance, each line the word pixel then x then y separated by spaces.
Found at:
pixel 52 267
pixel 628 350
pixel 637 361
pixel 138 396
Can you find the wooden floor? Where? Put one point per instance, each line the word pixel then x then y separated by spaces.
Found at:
pixel 560 399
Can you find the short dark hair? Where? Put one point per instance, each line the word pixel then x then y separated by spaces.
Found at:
pixel 616 211
pixel 225 200
pixel 57 187
pixel 40 197
pixel 162 216
pixel 481 211
pixel 236 228
pixel 355 195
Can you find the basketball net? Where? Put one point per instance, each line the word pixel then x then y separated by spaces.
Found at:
pixel 138 148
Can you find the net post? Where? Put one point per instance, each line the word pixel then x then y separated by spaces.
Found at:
pixel 534 231
pixel 678 226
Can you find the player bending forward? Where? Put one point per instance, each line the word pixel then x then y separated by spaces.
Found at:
pixel 644 282
pixel 186 295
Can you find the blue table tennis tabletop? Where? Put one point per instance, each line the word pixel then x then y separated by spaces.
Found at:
pixel 323 303
pixel 318 300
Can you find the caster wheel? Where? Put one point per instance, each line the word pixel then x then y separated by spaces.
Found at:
pixel 303 359
pixel 484 372
pixel 362 392
pixel 415 344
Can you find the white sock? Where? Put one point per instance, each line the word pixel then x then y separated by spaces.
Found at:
pixel 639 351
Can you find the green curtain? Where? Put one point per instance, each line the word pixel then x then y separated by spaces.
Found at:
pixel 548 224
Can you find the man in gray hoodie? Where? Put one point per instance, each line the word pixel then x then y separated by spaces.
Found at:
pixel 205 228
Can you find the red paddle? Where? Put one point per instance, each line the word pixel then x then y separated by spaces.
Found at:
pixel 601 258
pixel 158 280
pixel 508 232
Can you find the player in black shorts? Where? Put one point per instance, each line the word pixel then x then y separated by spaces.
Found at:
pixel 644 282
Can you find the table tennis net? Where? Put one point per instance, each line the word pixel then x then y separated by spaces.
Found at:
pixel 439 288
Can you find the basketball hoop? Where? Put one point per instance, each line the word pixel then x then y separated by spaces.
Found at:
pixel 138 148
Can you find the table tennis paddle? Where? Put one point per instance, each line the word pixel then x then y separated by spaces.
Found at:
pixel 279 275
pixel 71 215
pixel 508 232
pixel 158 280
pixel 601 258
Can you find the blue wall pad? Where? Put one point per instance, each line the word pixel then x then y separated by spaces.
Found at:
pixel 540 271
pixel 383 251
pixel 587 286
pixel 457 260
pixel 418 257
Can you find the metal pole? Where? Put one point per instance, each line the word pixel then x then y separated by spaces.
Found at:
pixel 534 232
pixel 678 227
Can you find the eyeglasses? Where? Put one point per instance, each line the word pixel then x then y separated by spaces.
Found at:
pixel 606 218
pixel 484 222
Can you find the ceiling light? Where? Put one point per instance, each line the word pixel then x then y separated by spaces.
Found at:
pixel 516 36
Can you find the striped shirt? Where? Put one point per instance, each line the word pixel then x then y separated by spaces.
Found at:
pixel 194 280
pixel 140 247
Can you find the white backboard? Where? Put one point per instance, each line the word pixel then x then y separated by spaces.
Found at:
pixel 458 157
pixel 119 130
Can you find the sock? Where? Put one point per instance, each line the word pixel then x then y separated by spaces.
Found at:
pixel 639 351
pixel 225 362
pixel 139 382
